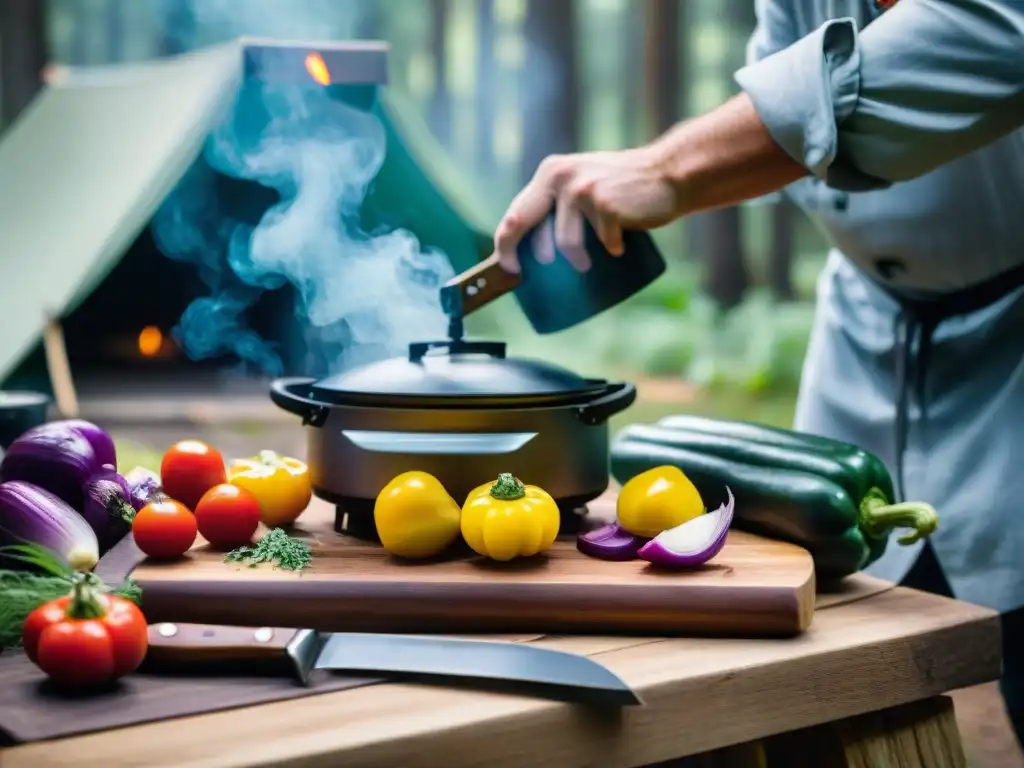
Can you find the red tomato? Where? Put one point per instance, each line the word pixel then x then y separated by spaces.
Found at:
pixel 75 650
pixel 164 529
pixel 189 469
pixel 228 516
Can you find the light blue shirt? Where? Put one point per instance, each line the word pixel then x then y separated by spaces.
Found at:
pixel 866 100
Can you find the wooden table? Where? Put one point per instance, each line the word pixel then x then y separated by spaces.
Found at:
pixel 862 688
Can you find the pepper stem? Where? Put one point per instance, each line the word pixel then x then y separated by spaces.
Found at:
pixel 86 598
pixel 508 487
pixel 270 458
pixel 878 517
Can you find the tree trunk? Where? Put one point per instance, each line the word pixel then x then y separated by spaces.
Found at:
pixel 780 256
pixel 662 64
pixel 718 235
pixel 179 28
pixel 440 109
pixel 115 32
pixel 550 93
pixel 79 36
pixel 726 278
pixel 23 55
pixel 369 21
pixel 716 238
pixel 664 96
pixel 486 85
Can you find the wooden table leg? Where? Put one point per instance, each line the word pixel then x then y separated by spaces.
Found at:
pixel 919 735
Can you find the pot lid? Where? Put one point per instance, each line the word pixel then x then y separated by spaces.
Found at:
pixel 14 399
pixel 473 370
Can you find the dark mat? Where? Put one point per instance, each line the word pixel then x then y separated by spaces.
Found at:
pixel 31 710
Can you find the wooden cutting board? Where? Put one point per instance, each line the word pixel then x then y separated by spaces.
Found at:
pixel 755 587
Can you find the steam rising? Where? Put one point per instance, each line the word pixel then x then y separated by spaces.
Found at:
pixel 361 295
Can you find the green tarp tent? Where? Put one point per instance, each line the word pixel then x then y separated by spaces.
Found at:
pixel 86 165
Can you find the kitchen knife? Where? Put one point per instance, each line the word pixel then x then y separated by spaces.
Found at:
pixel 187 647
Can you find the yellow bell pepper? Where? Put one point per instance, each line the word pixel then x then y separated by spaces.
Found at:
pixel 415 516
pixel 507 519
pixel 281 485
pixel 657 500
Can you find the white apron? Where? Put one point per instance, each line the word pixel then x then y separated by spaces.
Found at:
pixel 964 454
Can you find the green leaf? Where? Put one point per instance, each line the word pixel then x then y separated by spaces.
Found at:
pixel 20 594
pixel 43 558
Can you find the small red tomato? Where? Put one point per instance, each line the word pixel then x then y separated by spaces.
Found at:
pixel 228 516
pixel 189 469
pixel 86 638
pixel 164 529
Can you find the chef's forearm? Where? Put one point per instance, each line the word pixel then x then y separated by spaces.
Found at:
pixel 722 158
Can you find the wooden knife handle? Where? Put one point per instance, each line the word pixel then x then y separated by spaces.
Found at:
pixel 482 284
pixel 199 643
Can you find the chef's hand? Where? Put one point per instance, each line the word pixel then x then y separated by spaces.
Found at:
pixel 612 190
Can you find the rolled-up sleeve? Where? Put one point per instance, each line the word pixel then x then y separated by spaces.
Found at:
pixel 927 82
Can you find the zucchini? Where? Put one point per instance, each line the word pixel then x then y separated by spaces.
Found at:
pixel 858 460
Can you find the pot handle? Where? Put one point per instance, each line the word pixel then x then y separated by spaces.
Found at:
pixel 283 395
pixel 618 398
pixel 419 349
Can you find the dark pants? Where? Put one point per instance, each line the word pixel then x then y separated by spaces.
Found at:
pixel 926 575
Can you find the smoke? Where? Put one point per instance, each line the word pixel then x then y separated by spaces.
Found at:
pixel 361 295
pixel 187 24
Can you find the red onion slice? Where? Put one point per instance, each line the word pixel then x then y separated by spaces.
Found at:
pixel 610 543
pixel 693 543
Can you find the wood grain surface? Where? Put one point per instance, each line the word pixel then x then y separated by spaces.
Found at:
pixel 32 709
pixel 876 652
pixel 755 587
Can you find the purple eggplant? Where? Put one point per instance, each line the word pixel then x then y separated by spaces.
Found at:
pixel 107 506
pixel 32 515
pixel 61 457
pixel 102 443
pixel 54 457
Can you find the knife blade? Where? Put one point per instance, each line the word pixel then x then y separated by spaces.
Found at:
pixel 187 647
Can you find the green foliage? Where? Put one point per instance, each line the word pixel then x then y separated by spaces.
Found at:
pixel 670 330
pixel 132 454
pixel 759 346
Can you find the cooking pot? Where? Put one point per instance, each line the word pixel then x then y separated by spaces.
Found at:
pixel 462 411
pixel 19 412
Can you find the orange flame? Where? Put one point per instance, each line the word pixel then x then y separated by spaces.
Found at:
pixel 317 68
pixel 150 342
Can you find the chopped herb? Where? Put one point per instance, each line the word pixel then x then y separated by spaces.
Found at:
pixel 22 592
pixel 277 547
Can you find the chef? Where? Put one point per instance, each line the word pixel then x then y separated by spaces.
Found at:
pixel 891 124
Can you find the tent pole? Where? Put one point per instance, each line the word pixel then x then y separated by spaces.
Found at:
pixel 59 368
